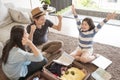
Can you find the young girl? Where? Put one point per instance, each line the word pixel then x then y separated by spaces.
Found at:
pixel 17 63
pixel 87 31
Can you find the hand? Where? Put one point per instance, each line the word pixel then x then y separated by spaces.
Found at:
pixel 26 41
pixel 59 17
pixel 111 16
pixel 33 27
pixel 73 10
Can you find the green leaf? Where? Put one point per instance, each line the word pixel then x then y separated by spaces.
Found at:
pixel 45 1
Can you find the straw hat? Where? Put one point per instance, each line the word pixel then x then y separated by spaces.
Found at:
pixel 37 12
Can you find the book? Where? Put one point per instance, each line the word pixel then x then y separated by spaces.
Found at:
pixel 101 74
pixel 102 62
pixel 64 59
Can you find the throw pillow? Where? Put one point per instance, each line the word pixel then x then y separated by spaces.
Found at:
pixel 5 18
pixel 19 16
pixel 3 11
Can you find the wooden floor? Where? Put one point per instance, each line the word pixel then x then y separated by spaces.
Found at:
pixel 2 75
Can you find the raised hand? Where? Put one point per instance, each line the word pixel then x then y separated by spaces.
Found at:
pixel 25 41
pixel 73 10
pixel 33 27
pixel 111 16
pixel 59 17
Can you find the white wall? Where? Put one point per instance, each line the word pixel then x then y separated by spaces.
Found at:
pixel 24 3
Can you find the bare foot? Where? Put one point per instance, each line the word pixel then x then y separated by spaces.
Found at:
pixel 44 53
pixel 97 55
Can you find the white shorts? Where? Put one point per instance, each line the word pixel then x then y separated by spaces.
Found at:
pixel 90 51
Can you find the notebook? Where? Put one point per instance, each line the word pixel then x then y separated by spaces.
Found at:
pixel 102 62
pixel 64 59
pixel 101 74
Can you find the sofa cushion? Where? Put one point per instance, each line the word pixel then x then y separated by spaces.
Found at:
pixel 5 22
pixel 4 35
pixel 5 31
pixel 19 16
pixel 9 5
pixel 5 18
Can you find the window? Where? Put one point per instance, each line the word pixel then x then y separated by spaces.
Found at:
pixel 101 5
pixel 114 1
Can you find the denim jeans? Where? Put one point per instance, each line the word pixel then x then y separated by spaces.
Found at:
pixel 34 67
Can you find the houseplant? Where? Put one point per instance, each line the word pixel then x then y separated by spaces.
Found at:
pixel 45 3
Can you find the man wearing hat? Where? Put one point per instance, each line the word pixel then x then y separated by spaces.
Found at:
pixel 39 28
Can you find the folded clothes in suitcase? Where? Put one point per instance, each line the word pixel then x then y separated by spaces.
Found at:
pixel 74 71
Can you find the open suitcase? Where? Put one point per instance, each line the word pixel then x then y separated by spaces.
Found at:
pixel 50 76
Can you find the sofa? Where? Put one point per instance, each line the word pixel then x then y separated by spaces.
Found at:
pixel 11 15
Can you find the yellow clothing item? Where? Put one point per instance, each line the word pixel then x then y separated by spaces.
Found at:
pixel 73 74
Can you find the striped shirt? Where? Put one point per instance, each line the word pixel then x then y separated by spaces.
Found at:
pixel 86 38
